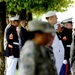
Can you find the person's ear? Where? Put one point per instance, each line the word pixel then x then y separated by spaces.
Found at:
pixel 37 35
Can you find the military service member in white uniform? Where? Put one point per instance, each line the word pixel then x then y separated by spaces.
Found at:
pixel 51 17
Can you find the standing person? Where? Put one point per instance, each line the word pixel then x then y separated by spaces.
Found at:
pixel 8 24
pixel 12 48
pixel 34 56
pixel 73 56
pixel 68 26
pixel 23 31
pixel 58 27
pixel 52 19
pixel 67 40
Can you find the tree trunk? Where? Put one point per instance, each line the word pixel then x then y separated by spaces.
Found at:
pixel 2 27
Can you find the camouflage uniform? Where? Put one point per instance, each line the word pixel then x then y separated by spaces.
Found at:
pixel 73 58
pixel 35 60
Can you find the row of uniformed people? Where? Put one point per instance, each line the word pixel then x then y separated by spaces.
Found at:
pixel 66 37
pixel 13 43
pixel 62 40
pixel 12 48
pixel 12 35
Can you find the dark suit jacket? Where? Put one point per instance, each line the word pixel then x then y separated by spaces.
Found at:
pixel 68 35
pixel 23 36
pixel 15 50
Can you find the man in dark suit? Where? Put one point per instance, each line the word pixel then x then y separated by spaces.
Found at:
pixel 22 33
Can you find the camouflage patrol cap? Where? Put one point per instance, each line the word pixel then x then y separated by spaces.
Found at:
pixel 36 25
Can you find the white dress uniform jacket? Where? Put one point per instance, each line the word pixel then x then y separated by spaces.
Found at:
pixel 58 50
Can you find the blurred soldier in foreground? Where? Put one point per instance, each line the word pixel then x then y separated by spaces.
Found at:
pixel 73 56
pixel 35 57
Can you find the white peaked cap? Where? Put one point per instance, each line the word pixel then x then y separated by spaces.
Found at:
pixel 14 18
pixel 50 13
pixel 67 20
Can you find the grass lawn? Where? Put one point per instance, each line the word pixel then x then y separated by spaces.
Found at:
pixel 16 72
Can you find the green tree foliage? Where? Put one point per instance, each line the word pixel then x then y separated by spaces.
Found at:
pixel 38 5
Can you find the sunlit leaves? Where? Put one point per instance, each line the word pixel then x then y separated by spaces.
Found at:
pixel 38 5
